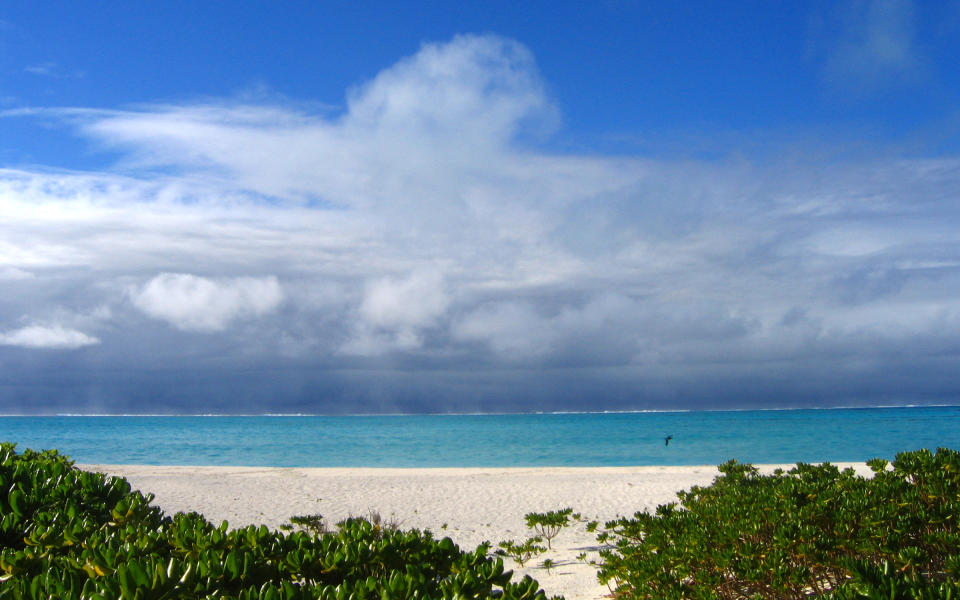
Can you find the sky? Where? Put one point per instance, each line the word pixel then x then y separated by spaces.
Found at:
pixel 381 207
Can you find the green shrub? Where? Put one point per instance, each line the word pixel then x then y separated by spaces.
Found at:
pixel 548 524
pixel 811 531
pixel 523 551
pixel 312 523
pixel 69 534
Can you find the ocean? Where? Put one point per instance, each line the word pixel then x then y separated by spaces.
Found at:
pixel 502 440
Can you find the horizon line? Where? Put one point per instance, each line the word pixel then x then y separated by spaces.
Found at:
pixel 468 414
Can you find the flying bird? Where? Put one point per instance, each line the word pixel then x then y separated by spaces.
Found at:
pixel 666 440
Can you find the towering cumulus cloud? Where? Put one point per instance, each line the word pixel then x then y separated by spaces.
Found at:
pixel 449 106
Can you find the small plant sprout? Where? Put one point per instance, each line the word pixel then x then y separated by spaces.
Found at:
pixel 548 564
pixel 548 525
pixel 522 552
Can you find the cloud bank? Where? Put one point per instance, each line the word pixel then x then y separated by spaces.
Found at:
pixel 421 250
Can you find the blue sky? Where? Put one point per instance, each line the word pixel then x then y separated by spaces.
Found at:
pixel 378 207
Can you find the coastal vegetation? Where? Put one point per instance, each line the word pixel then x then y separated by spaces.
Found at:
pixel 547 525
pixel 70 534
pixel 523 551
pixel 812 531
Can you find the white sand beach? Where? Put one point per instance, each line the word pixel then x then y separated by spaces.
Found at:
pixel 468 505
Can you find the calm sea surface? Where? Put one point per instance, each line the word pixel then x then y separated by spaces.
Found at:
pixel 776 436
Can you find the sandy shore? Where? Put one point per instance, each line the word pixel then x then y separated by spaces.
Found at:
pixel 468 505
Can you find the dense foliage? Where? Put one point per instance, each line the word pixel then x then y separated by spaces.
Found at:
pixel 814 531
pixel 66 533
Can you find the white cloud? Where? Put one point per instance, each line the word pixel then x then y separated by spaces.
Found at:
pixel 194 303
pixel 477 88
pixel 394 312
pixel 511 329
pixel 415 301
pixel 53 337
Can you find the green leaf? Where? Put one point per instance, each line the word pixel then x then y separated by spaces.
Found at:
pixel 127 585
pixel 15 499
pixel 232 565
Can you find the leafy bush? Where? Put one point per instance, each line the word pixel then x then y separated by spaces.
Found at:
pixel 812 531
pixel 66 533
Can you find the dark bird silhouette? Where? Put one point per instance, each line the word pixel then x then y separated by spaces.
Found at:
pixel 666 440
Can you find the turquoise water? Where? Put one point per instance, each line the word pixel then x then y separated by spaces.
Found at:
pixel 775 436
